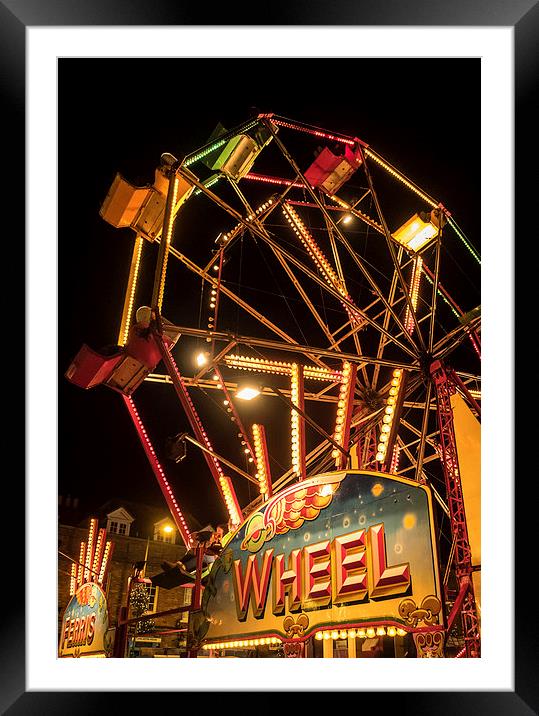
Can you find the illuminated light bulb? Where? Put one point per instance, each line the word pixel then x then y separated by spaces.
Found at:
pixel 380 631
pixel 389 410
pixel 380 456
pixel 334 453
pixel 247 393
pixel 362 634
pixel 384 438
pixel 385 428
pixel 327 636
pixel 391 400
pixel 395 382
pixel 391 631
pixel 215 377
pixel 351 633
pixel 386 419
pixel 393 391
pixel 335 634
pixel 319 636
pixel 216 267
pixel 343 634
pixel 225 402
pixel 370 632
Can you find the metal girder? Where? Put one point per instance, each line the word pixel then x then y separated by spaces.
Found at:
pixel 444 388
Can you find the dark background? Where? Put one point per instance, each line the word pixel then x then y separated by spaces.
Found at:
pixel 119 116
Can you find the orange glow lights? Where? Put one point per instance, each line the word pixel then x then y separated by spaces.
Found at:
pixel 261 365
pixel 414 294
pixel 168 239
pixel 297 422
pixel 344 410
pixel 90 549
pixel 229 235
pixel 104 562
pixel 158 470
pixel 395 460
pixel 80 568
pixel 319 259
pixel 73 579
pixel 262 461
pixel 389 414
pixel 242 643
pixel 391 170
pixel 312 247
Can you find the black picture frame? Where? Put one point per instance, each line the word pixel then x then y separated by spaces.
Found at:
pixel 523 16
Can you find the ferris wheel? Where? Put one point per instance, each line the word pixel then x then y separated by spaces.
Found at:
pixel 352 324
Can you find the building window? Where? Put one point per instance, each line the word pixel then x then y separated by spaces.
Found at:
pixel 152 593
pixel 118 528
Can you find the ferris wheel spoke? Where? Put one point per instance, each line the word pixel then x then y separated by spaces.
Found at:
pixel 424 430
pixel 297 285
pixel 449 342
pixel 332 223
pixel 381 343
pixel 391 248
pixel 342 299
pixel 239 301
pixel 434 300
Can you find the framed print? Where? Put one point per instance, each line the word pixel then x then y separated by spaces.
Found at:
pixel 106 91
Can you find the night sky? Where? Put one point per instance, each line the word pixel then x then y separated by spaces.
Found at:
pixel 119 116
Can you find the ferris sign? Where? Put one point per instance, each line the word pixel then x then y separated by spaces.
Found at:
pixel 350 548
pixel 85 624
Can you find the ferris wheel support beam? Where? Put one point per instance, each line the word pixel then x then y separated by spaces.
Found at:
pixel 214 361
pixel 165 379
pixel 158 471
pixel 391 248
pixel 306 299
pixel 283 263
pixel 131 289
pixel 348 304
pixel 381 342
pixel 240 302
pixel 424 430
pixel 222 459
pixel 293 348
pixel 338 232
pixel 445 387
pixel 340 273
pixel 448 343
pixel 435 289
pixel 223 482
pixel 457 310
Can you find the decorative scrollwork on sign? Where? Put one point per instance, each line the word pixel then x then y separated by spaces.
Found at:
pixel 295 629
pixel 429 645
pixel 293 650
pixel 427 612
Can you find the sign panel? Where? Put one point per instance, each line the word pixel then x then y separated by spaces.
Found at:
pixel 85 624
pixel 350 548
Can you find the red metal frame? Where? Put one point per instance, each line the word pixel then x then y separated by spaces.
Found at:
pixel 445 387
pixel 173 506
pixel 196 424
